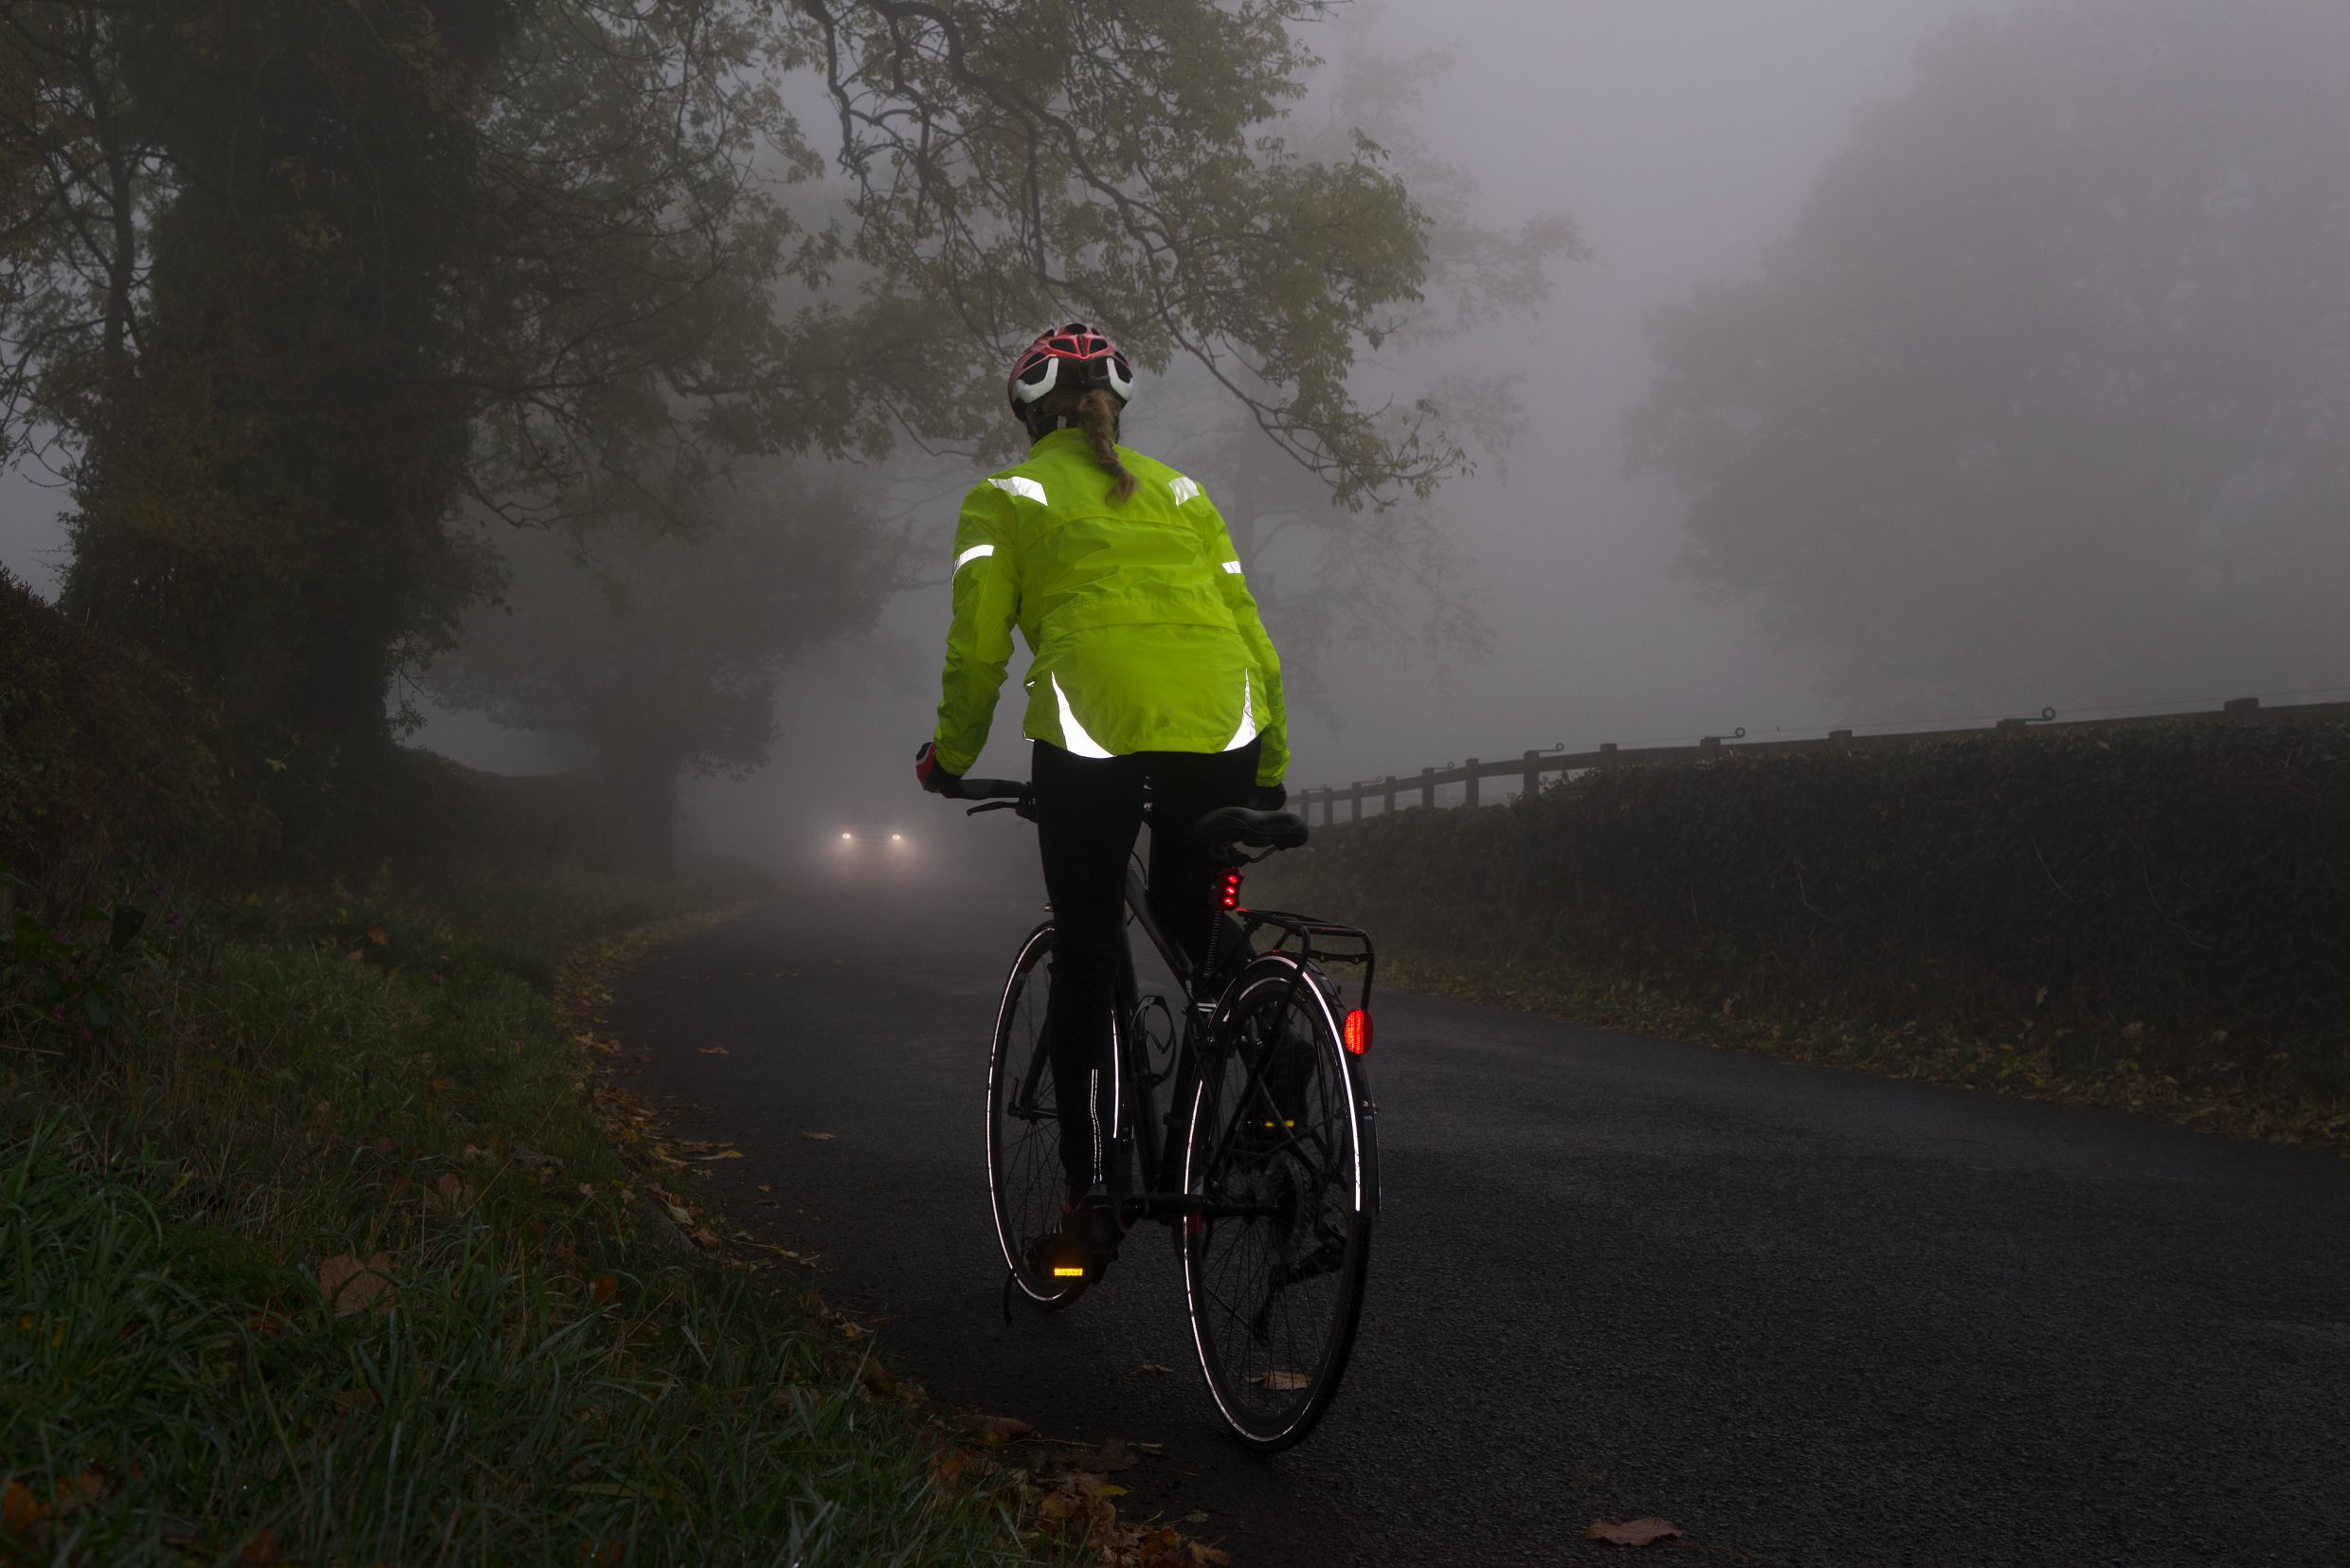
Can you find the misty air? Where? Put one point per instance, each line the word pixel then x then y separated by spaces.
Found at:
pixel 835 782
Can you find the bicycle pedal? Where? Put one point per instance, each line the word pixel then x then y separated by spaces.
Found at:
pixel 1069 1260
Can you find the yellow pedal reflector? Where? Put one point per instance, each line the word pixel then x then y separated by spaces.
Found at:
pixel 1063 1270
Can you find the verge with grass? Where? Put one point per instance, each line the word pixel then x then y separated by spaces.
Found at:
pixel 310 1252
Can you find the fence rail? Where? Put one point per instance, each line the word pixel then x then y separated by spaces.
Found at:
pixel 1527 769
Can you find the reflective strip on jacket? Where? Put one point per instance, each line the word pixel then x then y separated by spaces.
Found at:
pixel 1145 635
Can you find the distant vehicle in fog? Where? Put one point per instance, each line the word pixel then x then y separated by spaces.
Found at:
pixel 867 844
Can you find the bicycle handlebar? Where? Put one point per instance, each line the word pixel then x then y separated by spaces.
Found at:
pixel 991 789
pixel 1015 795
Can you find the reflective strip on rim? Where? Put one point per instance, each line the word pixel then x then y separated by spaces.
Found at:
pixel 1354 1135
pixel 1030 954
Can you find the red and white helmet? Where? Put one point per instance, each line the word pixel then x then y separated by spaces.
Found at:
pixel 1073 356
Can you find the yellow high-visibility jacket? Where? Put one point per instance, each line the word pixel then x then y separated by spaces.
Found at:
pixel 1145 636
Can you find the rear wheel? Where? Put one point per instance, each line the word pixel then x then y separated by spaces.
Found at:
pixel 1281 1160
pixel 1024 1180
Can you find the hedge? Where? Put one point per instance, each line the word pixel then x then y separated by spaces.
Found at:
pixel 2168 893
pixel 115 774
pixel 110 768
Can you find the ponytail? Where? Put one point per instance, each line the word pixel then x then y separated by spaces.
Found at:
pixel 1096 412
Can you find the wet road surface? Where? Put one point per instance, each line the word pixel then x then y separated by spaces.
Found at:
pixel 1816 1317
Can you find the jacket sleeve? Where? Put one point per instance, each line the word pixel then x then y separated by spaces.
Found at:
pixel 1273 761
pixel 979 640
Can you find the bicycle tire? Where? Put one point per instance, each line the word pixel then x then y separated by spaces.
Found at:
pixel 1024 1180
pixel 1279 1126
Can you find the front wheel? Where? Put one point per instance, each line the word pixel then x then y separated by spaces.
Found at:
pixel 1281 1161
pixel 1024 1180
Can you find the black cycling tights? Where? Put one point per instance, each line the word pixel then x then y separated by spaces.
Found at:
pixel 1088 809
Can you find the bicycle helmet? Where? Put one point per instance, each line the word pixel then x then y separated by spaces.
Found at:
pixel 1073 355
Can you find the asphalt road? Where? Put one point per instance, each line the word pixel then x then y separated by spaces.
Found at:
pixel 1813 1316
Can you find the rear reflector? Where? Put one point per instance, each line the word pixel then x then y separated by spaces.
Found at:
pixel 1356 1032
pixel 1064 1271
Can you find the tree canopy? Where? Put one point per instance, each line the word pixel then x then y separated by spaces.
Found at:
pixel 2047 390
pixel 311 292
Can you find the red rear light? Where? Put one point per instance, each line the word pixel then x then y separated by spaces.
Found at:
pixel 1356 1032
pixel 1229 892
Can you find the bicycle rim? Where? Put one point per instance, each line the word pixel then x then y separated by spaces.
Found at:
pixel 1278 1153
pixel 1024 1180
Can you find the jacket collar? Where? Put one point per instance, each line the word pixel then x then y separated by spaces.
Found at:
pixel 1064 437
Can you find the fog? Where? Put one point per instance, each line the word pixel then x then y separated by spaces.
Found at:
pixel 1684 138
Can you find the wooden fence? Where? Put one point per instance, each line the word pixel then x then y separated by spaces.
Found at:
pixel 1526 770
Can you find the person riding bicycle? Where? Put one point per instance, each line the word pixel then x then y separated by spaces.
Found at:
pixel 1151 666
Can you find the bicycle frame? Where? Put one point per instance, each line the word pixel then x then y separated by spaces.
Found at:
pixel 1160 1163
pixel 1157 1162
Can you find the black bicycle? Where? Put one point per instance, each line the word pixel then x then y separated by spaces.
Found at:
pixel 1264 1165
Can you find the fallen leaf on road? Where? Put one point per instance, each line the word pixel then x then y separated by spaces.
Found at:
pixel 1151 1369
pixel 262 1551
pixel 1195 1517
pixel 375 934
pixel 722 1153
pixel 604 1288
pixel 1637 1532
pixel 1114 1454
pixel 712 1050
pixel 997 1429
pixel 1280 1382
pixel 351 1285
pixel 817 1137
pixel 768 1202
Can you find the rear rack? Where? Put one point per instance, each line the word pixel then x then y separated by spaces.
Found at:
pixel 1311 936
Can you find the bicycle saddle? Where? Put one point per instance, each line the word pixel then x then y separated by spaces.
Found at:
pixel 1229 827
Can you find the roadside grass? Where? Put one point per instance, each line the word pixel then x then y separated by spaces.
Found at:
pixel 315 1254
pixel 2146 917
pixel 2104 1068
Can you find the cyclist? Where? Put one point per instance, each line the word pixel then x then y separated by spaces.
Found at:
pixel 1149 665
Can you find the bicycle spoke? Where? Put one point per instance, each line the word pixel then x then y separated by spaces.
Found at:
pixel 1277 1266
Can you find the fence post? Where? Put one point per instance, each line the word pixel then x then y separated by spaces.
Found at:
pixel 1470 785
pixel 1533 774
pixel 1354 804
pixel 1387 800
pixel 1427 787
pixel 1607 752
